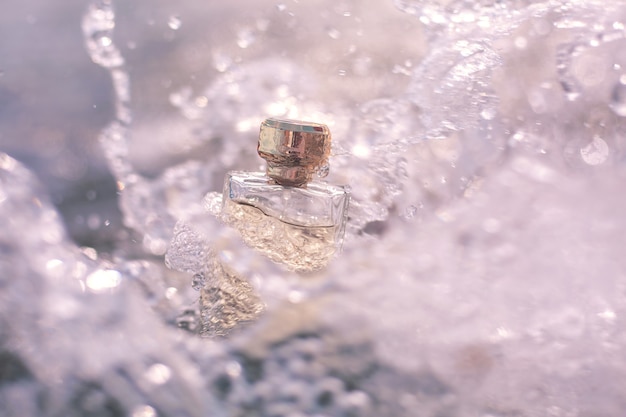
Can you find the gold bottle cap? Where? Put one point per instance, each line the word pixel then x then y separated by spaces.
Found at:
pixel 293 149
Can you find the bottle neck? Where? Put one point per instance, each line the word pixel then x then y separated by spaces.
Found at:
pixel 290 176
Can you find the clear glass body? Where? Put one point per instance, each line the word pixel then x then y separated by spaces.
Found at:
pixel 301 227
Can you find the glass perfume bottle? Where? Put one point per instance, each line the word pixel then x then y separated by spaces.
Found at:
pixel 284 213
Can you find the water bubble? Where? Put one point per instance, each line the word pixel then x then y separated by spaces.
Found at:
pixel 174 22
pixel 595 153
pixel 198 281
pixel 618 99
pixel 281 7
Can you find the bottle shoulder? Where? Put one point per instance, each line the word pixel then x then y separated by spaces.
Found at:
pixel 260 181
pixel 318 204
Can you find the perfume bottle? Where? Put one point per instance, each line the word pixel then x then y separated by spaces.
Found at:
pixel 284 213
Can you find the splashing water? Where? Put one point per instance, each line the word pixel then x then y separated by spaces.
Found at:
pixel 482 271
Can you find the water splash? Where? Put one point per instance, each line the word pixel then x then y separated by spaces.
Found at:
pixel 98 25
pixel 454 84
pixel 467 253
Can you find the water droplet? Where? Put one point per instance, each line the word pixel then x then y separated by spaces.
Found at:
pixel 103 279
pixel 90 253
pixel 569 24
pixel 171 292
pixel 198 281
pixel 361 150
pixel 295 296
pixel 201 101
pixel 245 38
pixel 233 368
pixel 400 69
pixel 174 22
pixel 281 7
pixel 144 411
pixel 105 41
pixel 158 374
pixel 334 33
pixel 608 315
pixel 595 153
pixel 222 61
pixel 488 113
pixel 618 99
pixel 521 42
pixel 572 96
pixel 54 263
pixel 410 212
